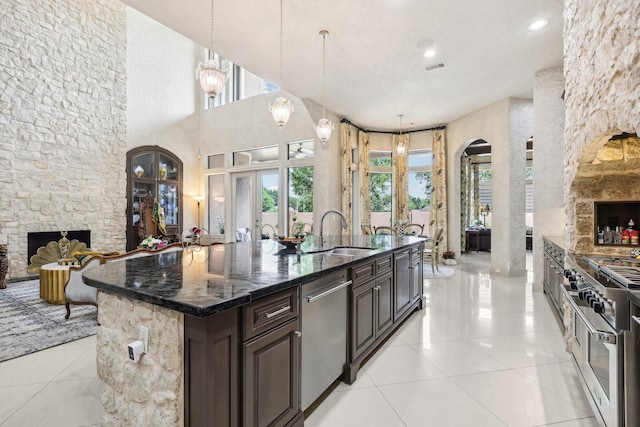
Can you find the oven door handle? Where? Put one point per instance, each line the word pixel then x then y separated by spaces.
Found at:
pixel 602 336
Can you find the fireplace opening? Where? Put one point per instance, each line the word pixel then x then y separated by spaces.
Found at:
pixel 36 240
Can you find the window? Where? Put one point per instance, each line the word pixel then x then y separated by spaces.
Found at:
pixel 380 185
pixel 256 156
pixel 216 204
pixel 300 191
pixel 420 186
pixel 240 85
pixel 301 149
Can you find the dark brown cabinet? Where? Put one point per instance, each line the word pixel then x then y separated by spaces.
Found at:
pixel 211 370
pixel 271 361
pixel 385 291
pixel 272 377
pixel 416 274
pixel 372 312
pixel 403 286
pixel 154 170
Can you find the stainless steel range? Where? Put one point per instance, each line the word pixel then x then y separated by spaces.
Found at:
pixel 598 289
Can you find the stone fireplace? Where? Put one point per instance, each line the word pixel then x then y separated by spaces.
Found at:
pixel 602 114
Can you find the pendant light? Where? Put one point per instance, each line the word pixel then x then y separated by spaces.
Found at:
pixel 212 78
pixel 282 107
pixel 324 126
pixel 400 148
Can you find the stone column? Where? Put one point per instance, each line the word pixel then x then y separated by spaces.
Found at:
pixel 508 158
pixel 548 136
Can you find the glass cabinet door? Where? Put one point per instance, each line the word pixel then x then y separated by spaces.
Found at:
pixel 156 171
pixel 168 199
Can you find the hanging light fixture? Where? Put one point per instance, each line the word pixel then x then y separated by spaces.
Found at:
pixel 324 126
pixel 400 148
pixel 212 78
pixel 282 107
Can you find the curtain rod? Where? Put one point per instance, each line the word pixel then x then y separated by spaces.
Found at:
pixel 441 127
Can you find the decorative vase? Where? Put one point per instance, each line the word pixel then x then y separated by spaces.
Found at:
pixel 139 171
pixel 4 266
pixel 163 171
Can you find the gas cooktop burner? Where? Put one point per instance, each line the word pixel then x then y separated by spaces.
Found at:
pixel 625 271
pixel 598 261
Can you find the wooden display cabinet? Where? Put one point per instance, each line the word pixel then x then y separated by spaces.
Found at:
pixel 152 169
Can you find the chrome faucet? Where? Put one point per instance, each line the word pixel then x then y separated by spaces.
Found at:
pixel 345 225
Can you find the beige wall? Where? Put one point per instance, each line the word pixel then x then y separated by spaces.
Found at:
pixel 164 98
pixel 506 125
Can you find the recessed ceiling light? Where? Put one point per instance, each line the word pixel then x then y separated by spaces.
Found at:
pixel 430 53
pixel 538 25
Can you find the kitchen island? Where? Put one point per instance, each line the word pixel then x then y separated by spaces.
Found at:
pixel 224 321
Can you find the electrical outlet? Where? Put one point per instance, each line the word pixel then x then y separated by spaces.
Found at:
pixel 144 337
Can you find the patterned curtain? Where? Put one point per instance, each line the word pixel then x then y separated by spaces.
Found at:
pixel 464 199
pixel 400 169
pixel 475 175
pixel 345 168
pixel 364 167
pixel 439 182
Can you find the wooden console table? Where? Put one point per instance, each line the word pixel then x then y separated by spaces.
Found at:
pixel 53 278
pixel 476 236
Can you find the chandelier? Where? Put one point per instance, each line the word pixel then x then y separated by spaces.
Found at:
pixel 324 126
pixel 400 148
pixel 282 107
pixel 212 78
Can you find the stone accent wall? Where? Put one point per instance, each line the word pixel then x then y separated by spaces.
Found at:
pixel 602 99
pixel 150 392
pixel 62 122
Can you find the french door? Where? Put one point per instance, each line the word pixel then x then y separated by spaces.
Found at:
pixel 255 204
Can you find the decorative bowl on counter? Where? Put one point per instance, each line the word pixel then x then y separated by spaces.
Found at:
pixel 290 242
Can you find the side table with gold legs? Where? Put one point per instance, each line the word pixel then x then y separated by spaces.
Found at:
pixel 53 278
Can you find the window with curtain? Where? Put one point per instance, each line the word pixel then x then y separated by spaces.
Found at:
pixel 380 185
pixel 420 186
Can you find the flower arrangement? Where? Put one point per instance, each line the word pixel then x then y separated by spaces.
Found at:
pixel 449 255
pixel 196 231
pixel 151 243
pixel 220 223
pixel 297 229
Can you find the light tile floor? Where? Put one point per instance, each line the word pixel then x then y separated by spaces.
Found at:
pixel 486 351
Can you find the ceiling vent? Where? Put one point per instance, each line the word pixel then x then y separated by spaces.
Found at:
pixel 434 66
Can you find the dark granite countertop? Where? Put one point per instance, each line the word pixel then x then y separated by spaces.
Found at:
pixel 201 281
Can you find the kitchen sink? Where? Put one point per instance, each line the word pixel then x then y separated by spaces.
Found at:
pixel 350 251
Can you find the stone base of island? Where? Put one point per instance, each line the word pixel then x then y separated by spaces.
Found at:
pixel 225 326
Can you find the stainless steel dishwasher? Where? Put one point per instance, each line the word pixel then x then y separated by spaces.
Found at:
pixel 324 333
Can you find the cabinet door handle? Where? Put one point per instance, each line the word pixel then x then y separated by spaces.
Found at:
pixel 377 288
pixel 275 313
pixel 297 333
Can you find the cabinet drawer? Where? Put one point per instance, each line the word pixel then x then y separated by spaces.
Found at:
pixel 362 273
pixel 383 264
pixel 269 312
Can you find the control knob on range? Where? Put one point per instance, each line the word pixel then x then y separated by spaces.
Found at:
pixel 598 306
pixel 582 294
pixel 568 272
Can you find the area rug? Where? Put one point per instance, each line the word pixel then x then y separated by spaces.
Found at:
pixel 29 324
pixel 442 271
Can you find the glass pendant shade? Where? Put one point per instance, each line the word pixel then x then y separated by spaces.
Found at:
pixel 212 78
pixel 400 149
pixel 323 129
pixel 281 110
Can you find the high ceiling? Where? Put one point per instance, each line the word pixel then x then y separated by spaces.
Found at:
pixel 375 68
